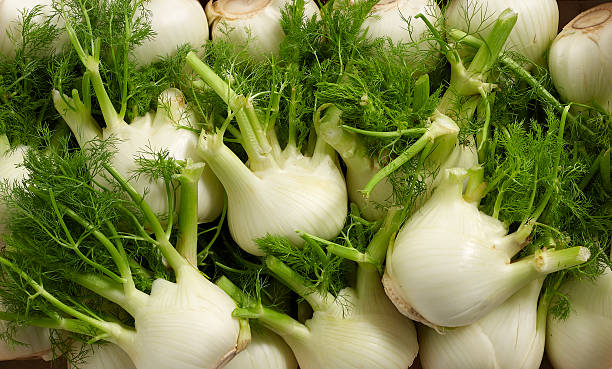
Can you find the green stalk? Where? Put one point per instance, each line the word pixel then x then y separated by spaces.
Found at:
pixel 474 191
pixel 234 292
pixel 255 124
pixel 292 120
pixel 124 267
pixel 171 200
pixel 398 133
pixel 550 261
pixel 172 256
pixel 117 258
pixel 104 287
pixel 227 166
pixel 472 81
pixel 70 325
pixel 250 141
pixel 521 72
pixel 329 129
pixel 92 64
pixel 323 147
pixel 400 160
pixel 499 199
pixel 121 262
pixel 101 325
pixel 377 248
pixel 78 117
pixel 288 276
pixel 187 244
pixel 5 145
pixel 124 83
pixel 204 253
pixel 421 92
pixel 592 171
pixel 604 170
pixel 281 324
pixel 488 53
pixel 345 252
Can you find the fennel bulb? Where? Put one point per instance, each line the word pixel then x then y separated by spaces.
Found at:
pixel 509 337
pixel 580 58
pixel 297 193
pixel 184 322
pixel 450 263
pixel 583 340
pixel 168 129
pixel 535 28
pixel 11 18
pixel 394 19
pixel 175 23
pixel 281 191
pixel 357 328
pixel 252 24
pixel 266 351
pixel 193 312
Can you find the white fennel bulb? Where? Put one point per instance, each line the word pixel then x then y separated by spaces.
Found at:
pixel 450 263
pixel 372 332
pixel 175 23
pixel 580 58
pixel 298 192
pixel 278 191
pixel 182 323
pixel 394 19
pixel 187 325
pixel 509 337
pixel 371 337
pixel 266 351
pixel 535 28
pixel 11 16
pixel 102 356
pixel 252 23
pixel 168 129
pixel 357 328
pixel 583 340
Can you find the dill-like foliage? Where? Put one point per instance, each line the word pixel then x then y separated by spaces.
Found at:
pixel 118 26
pixel 25 78
pixel 55 214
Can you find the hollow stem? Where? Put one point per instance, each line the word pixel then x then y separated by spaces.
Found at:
pixel 281 324
pixel 319 301
pixel 377 248
pixel 522 73
pixel 187 244
pixel 96 323
pixel 440 126
pixel 170 253
pixel 236 103
pixel 345 252
pixel 398 133
pixel 70 325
